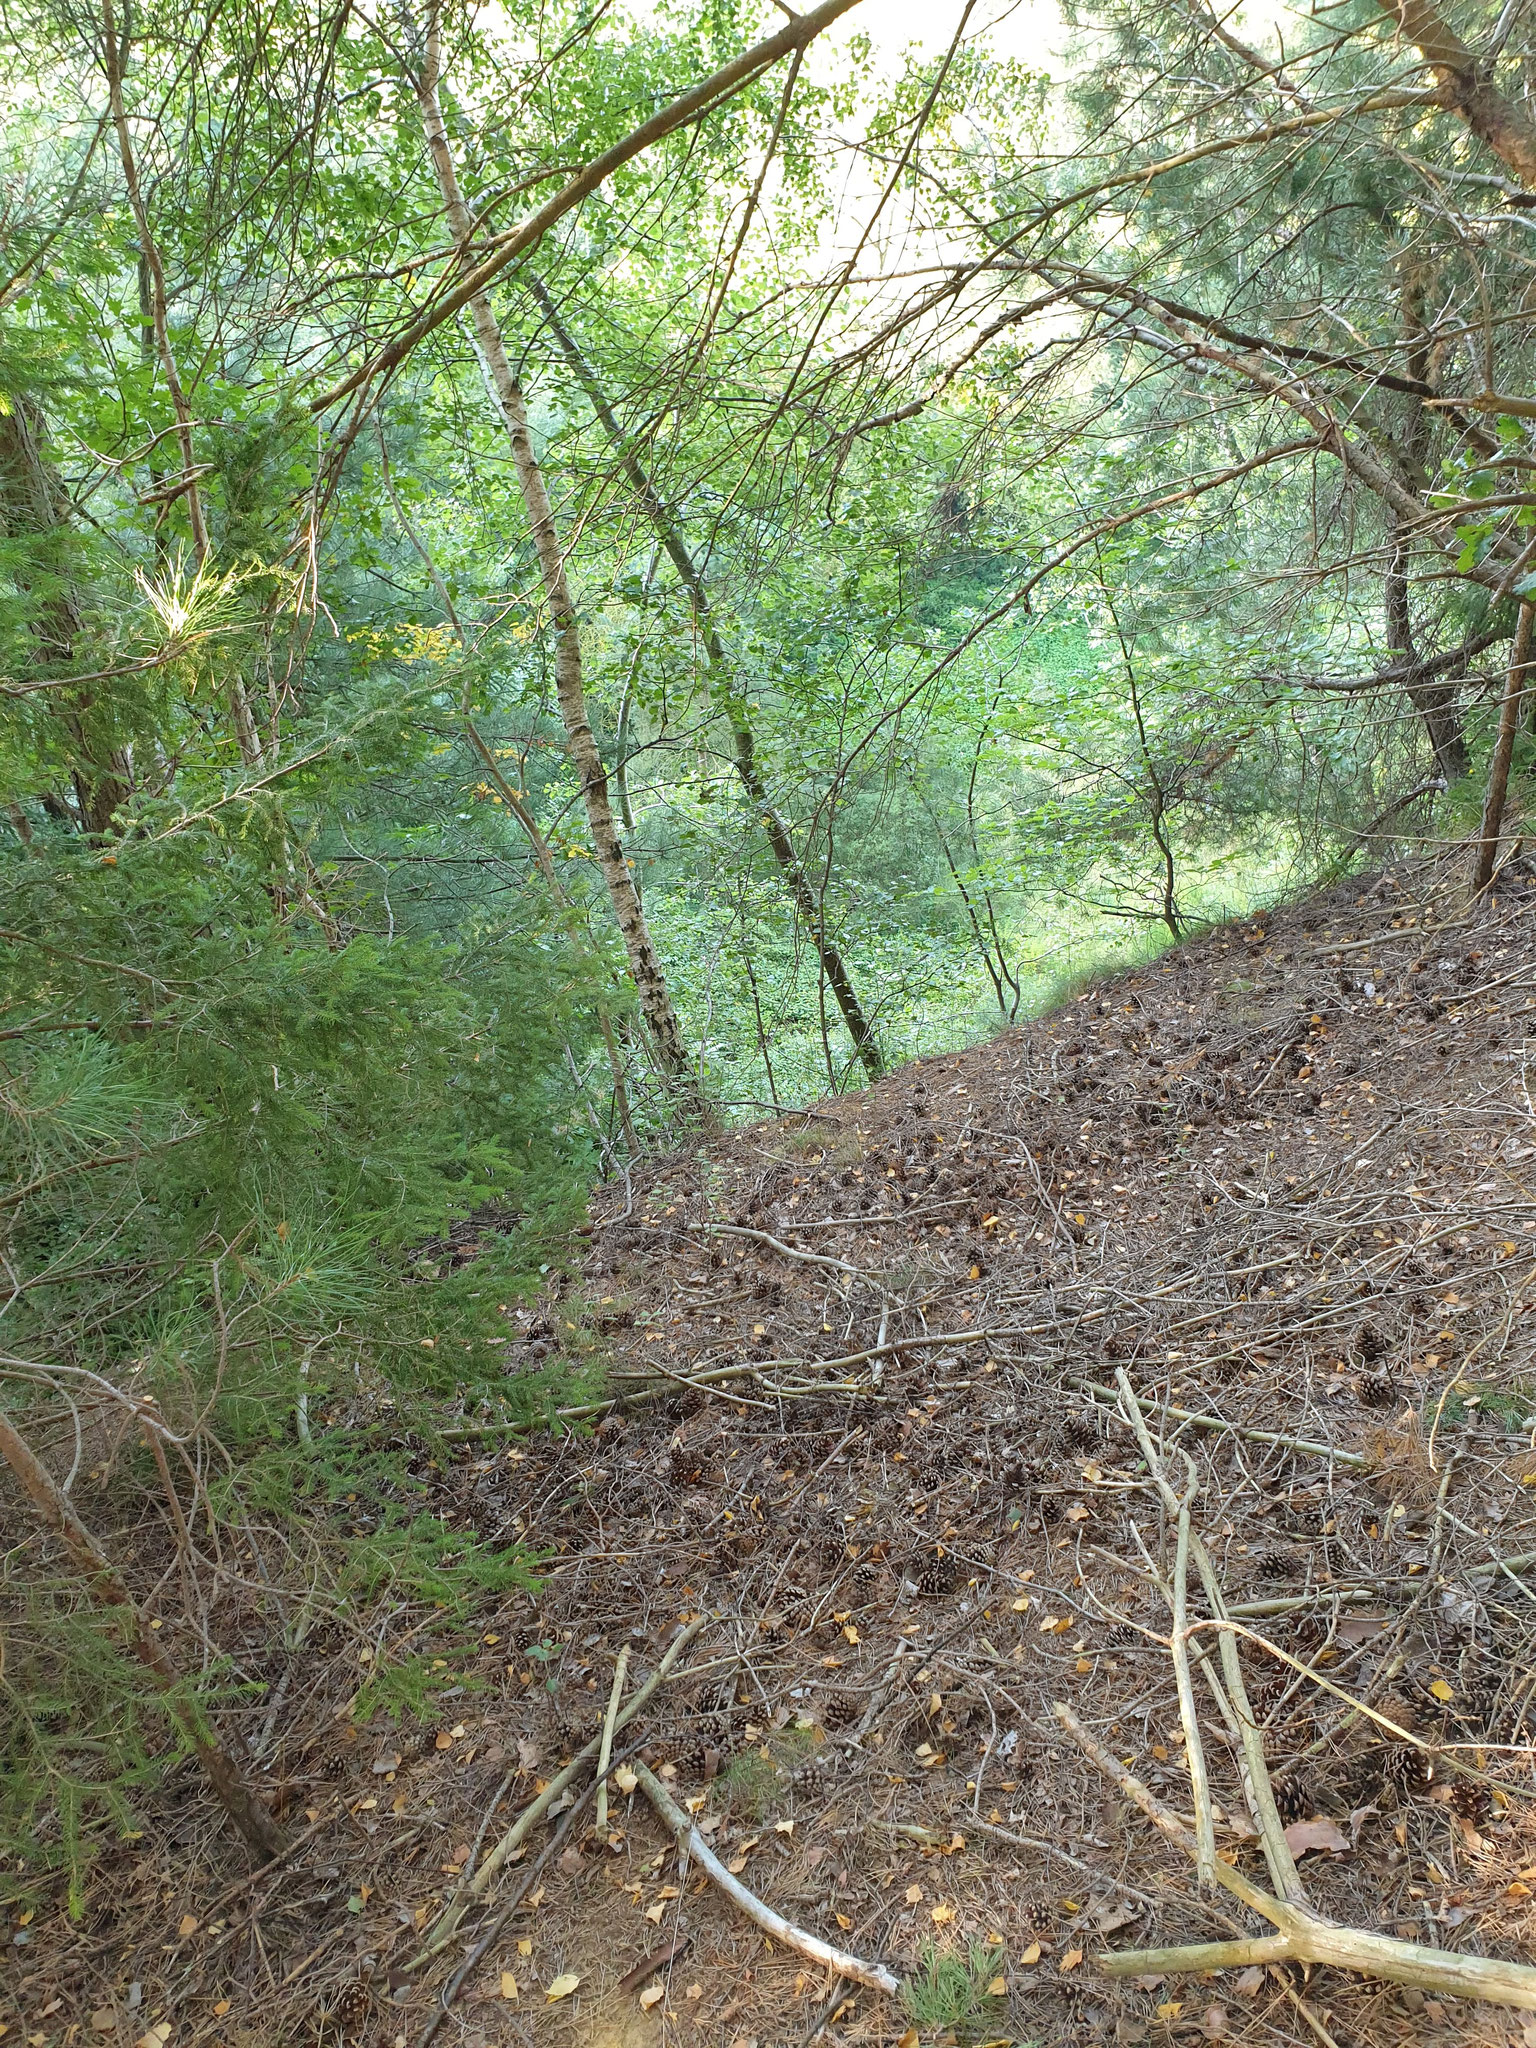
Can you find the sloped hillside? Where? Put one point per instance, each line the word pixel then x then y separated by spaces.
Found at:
pixel 868 1439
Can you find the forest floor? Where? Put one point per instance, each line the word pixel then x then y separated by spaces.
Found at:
pixel 1282 1180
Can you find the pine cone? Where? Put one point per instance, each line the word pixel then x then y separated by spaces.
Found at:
pixel 1120 1635
pixel 349 2015
pixel 333 1766
pixel 1266 1691
pixel 1481 1701
pixel 1370 1343
pixel 1405 1771
pixel 1272 1562
pixel 866 1577
pixel 1052 1508
pixel 1295 1799
pixel 841 1710
pixel 1081 1432
pixel 1378 1389
pixel 1473 1802
pixel 937 1574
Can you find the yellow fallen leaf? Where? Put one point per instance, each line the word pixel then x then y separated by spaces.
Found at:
pixel 909 2039
pixel 1031 1954
pixel 189 1925
pixel 1071 1959
pixel 1517 1890
pixel 942 1915
pixel 843 1921
pixel 156 2037
pixel 783 1827
pixel 914 1895
pixel 1021 1605
pixel 1082 1666
pixel 654 1913
pixel 998 1988
pixel 851 1633
pixel 508 1984
pixel 1171 2010
pixel 220 2007
pixel 562 1987
pixel 653 1994
pixel 625 1779
pixel 525 1947
pixel 1441 1690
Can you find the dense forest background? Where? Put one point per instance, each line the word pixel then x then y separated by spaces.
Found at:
pixel 568 576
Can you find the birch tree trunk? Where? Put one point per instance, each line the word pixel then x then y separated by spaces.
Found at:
pixel 644 965
pixel 806 900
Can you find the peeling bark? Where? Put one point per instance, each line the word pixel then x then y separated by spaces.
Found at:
pixel 645 967
pixel 804 897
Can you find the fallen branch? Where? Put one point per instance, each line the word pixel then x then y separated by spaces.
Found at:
pixel 1303 1935
pixel 488 1933
pixel 692 1844
pixel 1252 1436
pixel 605 1747
pixel 1232 1696
pixel 535 1811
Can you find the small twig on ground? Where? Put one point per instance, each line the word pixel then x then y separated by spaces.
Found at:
pixel 498 1920
pixel 1253 1436
pixel 605 1749
pixel 691 1842
pixel 982 1827
pixel 1177 1506
pixel 533 1813
pixel 647 1966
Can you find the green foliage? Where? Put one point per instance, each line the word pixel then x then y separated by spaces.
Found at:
pixel 948 1989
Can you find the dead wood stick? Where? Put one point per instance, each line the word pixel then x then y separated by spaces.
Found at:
pixel 882 1692
pixel 535 1811
pixel 109 1590
pixel 1252 1436
pixel 1306 1937
pixel 1177 1505
pixel 983 1827
pixel 692 1843
pixel 1261 1798
pixel 647 1966
pixel 1212 1955
pixel 1163 1817
pixel 498 1920
pixel 605 1748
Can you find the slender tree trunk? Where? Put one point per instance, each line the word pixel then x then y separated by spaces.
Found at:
pixel 113 52
pixel 644 965
pixel 1436 699
pixel 32 507
pixel 108 1590
pixel 1504 746
pixel 833 966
